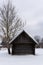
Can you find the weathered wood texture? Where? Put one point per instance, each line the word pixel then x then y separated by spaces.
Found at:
pixel 23 49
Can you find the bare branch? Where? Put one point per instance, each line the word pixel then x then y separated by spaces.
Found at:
pixel 9 20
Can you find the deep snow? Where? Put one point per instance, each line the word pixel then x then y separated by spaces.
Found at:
pixel 6 59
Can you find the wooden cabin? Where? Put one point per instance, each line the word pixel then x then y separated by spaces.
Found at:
pixel 23 44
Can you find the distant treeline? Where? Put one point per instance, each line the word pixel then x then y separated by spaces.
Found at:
pixel 40 41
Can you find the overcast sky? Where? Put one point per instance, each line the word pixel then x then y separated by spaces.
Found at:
pixel 30 11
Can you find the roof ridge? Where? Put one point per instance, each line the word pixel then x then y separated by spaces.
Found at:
pixel 20 33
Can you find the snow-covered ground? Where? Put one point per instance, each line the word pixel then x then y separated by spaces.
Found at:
pixel 6 59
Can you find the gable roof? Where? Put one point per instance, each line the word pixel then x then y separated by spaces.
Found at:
pixel 26 33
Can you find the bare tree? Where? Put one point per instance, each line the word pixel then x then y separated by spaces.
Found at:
pixel 10 23
pixel 37 38
pixel 42 40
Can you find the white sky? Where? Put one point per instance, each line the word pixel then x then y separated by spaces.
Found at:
pixel 30 11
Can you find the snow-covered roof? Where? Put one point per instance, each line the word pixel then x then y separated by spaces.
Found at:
pixel 27 34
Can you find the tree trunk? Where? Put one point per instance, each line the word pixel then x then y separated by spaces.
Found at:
pixel 8 49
